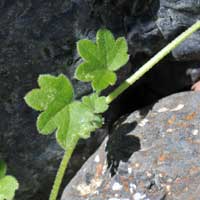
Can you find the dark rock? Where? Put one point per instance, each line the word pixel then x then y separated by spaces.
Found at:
pixel 164 163
pixel 161 22
pixel 157 23
pixel 38 36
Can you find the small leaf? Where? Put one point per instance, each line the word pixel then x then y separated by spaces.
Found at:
pixel 95 103
pixel 8 186
pixel 101 59
pixel 3 169
pixel 82 120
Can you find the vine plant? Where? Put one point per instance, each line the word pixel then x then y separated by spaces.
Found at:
pixel 74 119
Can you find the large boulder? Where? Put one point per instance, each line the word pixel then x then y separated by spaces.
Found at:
pixel 39 36
pixel 152 154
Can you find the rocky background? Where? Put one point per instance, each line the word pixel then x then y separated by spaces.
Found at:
pixel 39 36
pixel 152 154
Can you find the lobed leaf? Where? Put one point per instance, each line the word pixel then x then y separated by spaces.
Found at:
pixel 70 119
pixel 53 89
pixel 8 184
pixel 100 60
pixel 82 120
pixel 95 103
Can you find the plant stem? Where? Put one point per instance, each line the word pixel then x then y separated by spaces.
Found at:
pixel 152 62
pixel 61 170
pixel 132 79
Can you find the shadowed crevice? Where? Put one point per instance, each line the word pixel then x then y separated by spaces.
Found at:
pixel 121 146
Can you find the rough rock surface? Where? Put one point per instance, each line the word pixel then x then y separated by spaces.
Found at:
pixel 158 152
pixel 39 36
pixel 163 20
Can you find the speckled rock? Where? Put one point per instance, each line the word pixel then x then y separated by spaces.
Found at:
pixel 154 154
pixel 39 36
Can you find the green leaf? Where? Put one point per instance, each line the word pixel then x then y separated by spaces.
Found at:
pixel 82 120
pixel 8 186
pixel 53 98
pixel 53 89
pixel 3 169
pixel 71 119
pixel 101 59
pixel 95 103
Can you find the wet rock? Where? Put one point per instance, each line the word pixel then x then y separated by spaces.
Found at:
pixel 164 163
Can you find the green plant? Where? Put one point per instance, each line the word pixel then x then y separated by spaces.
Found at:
pixel 101 59
pixel 8 184
pixel 75 119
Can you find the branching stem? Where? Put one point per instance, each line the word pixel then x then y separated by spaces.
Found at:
pixel 152 62
pixel 132 79
pixel 61 170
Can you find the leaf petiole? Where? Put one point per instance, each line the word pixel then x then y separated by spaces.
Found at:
pixel 152 62
pixel 62 169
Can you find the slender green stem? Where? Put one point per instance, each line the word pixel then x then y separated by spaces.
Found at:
pixel 152 62
pixel 61 170
pixel 132 79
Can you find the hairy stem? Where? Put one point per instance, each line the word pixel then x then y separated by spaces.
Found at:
pixel 152 62
pixel 61 170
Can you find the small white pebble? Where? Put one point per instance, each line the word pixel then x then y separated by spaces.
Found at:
pixel 131 190
pixel 116 195
pixel 129 170
pixel 179 107
pixel 143 122
pixel 118 199
pixel 113 199
pixel 148 174
pixel 133 186
pixel 170 130
pixel 97 159
pixel 169 180
pixel 168 188
pixel 137 165
pixel 139 196
pixel 195 132
pixel 117 186
pixel 164 109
